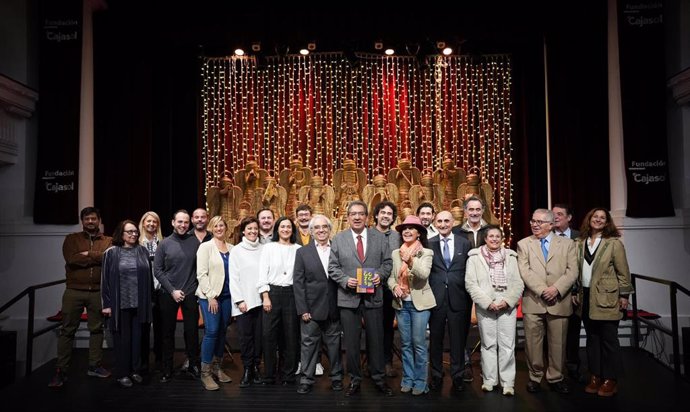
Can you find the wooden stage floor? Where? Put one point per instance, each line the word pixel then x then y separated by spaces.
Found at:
pixel 645 386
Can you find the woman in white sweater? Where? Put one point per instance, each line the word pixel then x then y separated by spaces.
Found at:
pixel 493 280
pixel 213 291
pixel 244 278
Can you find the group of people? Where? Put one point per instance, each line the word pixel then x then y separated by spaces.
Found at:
pixel 297 290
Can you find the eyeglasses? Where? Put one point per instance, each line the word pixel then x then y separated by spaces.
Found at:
pixel 132 232
pixel 538 222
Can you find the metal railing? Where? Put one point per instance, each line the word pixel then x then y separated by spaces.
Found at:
pixel 30 333
pixel 673 332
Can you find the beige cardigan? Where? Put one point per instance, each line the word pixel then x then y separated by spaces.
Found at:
pixel 478 283
pixel 422 296
pixel 209 270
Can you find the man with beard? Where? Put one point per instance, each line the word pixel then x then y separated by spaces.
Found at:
pixel 302 219
pixel 200 221
pixel 83 252
pixel 266 218
pixel 426 213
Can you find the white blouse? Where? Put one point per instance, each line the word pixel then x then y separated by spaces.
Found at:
pixel 586 267
pixel 276 265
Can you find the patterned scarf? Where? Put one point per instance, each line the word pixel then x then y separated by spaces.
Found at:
pixel 496 261
pixel 407 251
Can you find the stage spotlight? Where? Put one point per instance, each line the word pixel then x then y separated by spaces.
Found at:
pixel 256 46
pixel 304 52
pixel 378 45
pixel 311 46
pixel 389 52
pixel 447 51
pixel 239 52
pixel 440 45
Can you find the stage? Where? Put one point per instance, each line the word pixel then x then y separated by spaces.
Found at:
pixel 646 385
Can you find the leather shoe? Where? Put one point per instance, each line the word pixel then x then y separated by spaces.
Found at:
pixel 125 382
pixel 594 384
pixel 337 386
pixel 194 371
pixel 560 387
pixel 137 378
pixel 458 384
pixel 304 389
pixel 608 388
pixel 436 383
pixel 167 377
pixel 352 389
pixel 384 389
pixel 533 387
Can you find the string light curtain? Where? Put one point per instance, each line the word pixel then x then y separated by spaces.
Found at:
pixel 324 106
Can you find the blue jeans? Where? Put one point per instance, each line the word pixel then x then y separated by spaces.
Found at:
pixel 215 326
pixel 412 328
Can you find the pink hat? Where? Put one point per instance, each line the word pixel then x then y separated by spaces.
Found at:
pixel 411 221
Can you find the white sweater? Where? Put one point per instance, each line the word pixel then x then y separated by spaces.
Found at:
pixel 244 275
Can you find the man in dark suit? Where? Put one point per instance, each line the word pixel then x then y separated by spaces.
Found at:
pixel 453 303
pixel 360 247
pixel 562 216
pixel 316 299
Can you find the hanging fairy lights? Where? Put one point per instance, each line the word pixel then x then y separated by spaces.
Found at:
pixel 322 107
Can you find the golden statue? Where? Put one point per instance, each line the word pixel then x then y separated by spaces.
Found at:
pixel 293 179
pixel 404 211
pixel 448 178
pixel 319 196
pixel 251 179
pixel 428 191
pixel 273 196
pixel 404 176
pixel 348 183
pixel 224 201
pixel 483 190
pixel 375 193
pixel 457 211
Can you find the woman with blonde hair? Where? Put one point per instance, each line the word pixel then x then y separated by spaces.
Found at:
pixel 213 274
pixel 149 236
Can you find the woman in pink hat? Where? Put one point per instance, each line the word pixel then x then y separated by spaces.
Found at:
pixel 413 299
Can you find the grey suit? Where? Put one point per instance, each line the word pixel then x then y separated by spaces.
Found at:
pixel 317 295
pixel 343 265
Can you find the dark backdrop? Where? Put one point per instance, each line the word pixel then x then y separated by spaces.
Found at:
pixel 147 72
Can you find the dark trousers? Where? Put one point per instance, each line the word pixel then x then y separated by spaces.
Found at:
pixel 458 327
pixel 572 344
pixel 313 333
pixel 190 315
pixel 127 340
pixel 249 326
pixel 281 321
pixel 388 330
pixel 157 333
pixel 603 349
pixel 351 319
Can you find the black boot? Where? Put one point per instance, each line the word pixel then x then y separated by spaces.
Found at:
pixel 246 378
pixel 257 375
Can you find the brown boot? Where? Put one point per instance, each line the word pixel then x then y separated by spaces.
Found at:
pixel 594 384
pixel 207 379
pixel 608 388
pixel 218 372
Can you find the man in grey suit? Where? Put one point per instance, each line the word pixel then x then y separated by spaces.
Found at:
pixel 453 303
pixel 548 266
pixel 360 247
pixel 316 299
pixel 562 216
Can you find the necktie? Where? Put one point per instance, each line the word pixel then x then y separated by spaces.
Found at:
pixel 543 248
pixel 446 252
pixel 360 248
